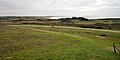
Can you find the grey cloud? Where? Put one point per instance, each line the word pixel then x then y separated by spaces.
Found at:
pixel 89 8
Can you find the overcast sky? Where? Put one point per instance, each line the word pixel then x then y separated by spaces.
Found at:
pixel 85 8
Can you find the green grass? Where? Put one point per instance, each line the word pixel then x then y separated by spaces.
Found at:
pixel 60 44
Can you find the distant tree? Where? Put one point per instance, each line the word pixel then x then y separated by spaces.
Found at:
pixel 74 18
pixel 18 17
pixel 83 19
pixel 80 18
pixel 65 19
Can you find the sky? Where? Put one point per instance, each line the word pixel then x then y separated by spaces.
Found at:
pixel 83 8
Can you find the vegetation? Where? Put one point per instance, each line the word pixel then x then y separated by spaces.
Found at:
pixel 57 42
pixel 34 42
pixel 73 18
pixel 107 23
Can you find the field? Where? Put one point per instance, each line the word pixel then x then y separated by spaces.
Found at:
pixel 36 42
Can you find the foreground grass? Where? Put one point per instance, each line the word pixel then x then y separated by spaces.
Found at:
pixel 64 44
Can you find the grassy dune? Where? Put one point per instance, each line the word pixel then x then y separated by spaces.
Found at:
pixel 45 43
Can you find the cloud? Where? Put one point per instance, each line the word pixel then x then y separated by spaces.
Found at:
pixel 89 8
